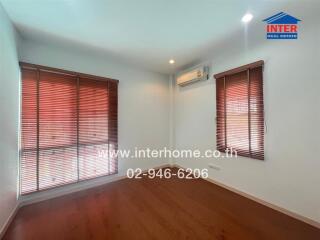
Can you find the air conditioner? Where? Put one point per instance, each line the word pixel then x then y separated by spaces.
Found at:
pixel 194 75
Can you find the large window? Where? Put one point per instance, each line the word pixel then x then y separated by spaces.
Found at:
pixel 68 127
pixel 240 113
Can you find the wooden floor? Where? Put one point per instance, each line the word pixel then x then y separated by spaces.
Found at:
pixel 156 209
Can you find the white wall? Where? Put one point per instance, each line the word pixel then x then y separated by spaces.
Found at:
pixel 289 177
pixel 9 118
pixel 143 100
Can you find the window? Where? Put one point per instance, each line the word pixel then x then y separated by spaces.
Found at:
pixel 240 113
pixel 68 126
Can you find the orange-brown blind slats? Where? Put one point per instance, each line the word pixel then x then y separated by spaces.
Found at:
pixel 57 129
pixel 256 113
pixel 113 122
pixel 93 128
pixel 65 129
pixel 220 100
pixel 28 153
pixel 240 113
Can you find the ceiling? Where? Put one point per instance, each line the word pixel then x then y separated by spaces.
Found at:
pixel 144 32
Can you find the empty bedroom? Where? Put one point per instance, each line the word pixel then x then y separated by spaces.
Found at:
pixel 159 119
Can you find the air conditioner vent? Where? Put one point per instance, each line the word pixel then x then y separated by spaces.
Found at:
pixel 198 74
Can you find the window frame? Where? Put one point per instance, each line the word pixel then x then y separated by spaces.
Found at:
pixel 259 154
pixel 79 77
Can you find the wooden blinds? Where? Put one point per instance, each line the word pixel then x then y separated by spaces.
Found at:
pixel 240 110
pixel 68 126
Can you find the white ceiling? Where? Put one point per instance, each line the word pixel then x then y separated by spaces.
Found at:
pixel 146 32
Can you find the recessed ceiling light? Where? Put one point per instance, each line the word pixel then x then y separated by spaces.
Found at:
pixel 171 61
pixel 247 18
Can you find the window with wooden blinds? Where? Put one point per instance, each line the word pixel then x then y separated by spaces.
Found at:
pixel 240 110
pixel 68 127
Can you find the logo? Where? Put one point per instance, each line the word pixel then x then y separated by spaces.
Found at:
pixel 282 26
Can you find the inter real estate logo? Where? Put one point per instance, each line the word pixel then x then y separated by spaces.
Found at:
pixel 282 26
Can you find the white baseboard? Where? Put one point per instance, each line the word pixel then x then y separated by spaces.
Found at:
pixel 53 193
pixel 72 188
pixel 9 220
pixel 57 192
pixel 263 202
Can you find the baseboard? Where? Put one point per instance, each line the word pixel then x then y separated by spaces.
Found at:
pixel 65 190
pixel 9 220
pixel 58 193
pixel 72 188
pixel 53 193
pixel 263 202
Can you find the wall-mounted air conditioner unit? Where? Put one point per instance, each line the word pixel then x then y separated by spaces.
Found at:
pixel 194 75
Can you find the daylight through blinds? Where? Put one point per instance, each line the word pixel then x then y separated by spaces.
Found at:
pixel 240 110
pixel 68 127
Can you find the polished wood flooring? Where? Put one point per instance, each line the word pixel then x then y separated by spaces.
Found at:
pixel 156 209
